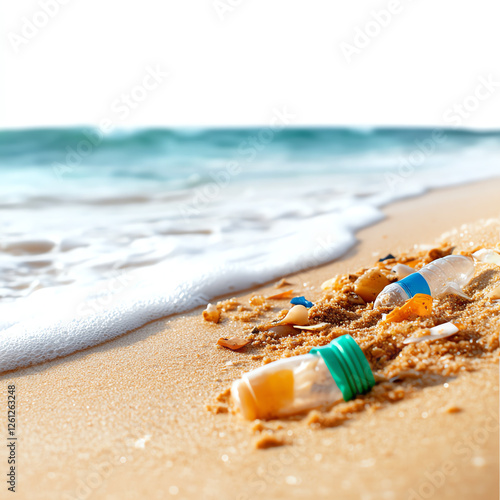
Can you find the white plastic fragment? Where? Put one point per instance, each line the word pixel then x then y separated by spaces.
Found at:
pixel 402 271
pixel 437 332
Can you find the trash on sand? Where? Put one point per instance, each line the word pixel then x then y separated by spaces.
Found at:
pixel 297 315
pixel 488 256
pixel 370 284
pixel 419 305
pixel 211 313
pixel 387 257
pixel 302 301
pixel 335 372
pixel 234 343
pixel 437 332
pixel 281 296
pixel 317 326
pixel 440 277
pixel 402 271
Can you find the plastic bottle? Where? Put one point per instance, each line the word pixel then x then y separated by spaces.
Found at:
pixel 446 275
pixel 289 386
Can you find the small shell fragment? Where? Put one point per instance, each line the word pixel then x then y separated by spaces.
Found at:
pixel 280 284
pixel 211 313
pixel 297 315
pixel 280 296
pixel 318 326
pixel 495 293
pixel 234 343
pixel 437 332
pixel 488 256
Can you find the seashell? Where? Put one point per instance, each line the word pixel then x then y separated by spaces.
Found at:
pixel 488 256
pixel 281 296
pixel 211 313
pixel 283 282
pixel 234 343
pixel 297 315
pixel 370 284
pixel 437 332
pixel 318 326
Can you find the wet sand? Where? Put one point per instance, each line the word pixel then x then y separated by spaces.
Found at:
pixel 128 419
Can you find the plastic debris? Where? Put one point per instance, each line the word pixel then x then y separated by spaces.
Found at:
pixel 332 373
pixel 437 332
pixel 234 343
pixel 387 257
pixel 440 277
pixel 488 256
pixel 370 284
pixel 301 301
pixel 211 313
pixel 402 271
pixel 419 305
pixel 317 326
pixel 281 296
pixel 297 315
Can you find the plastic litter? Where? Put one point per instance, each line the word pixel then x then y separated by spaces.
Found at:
pixel 440 277
pixel 419 305
pixel 302 301
pixel 387 257
pixel 402 271
pixel 338 371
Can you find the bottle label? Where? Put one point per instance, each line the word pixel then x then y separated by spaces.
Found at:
pixel 413 284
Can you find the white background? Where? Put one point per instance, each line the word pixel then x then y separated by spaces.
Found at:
pixel 263 54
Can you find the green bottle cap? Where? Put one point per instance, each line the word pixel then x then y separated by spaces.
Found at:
pixel 348 366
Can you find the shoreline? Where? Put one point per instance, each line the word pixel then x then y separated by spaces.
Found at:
pixel 134 407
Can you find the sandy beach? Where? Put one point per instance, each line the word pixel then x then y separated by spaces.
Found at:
pixel 128 419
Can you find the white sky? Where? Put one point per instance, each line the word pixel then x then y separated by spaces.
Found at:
pixel 264 54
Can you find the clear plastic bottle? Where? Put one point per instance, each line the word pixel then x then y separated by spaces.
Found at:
pixel 446 275
pixel 293 385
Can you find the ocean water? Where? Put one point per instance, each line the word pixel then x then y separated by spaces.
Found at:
pixel 101 234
